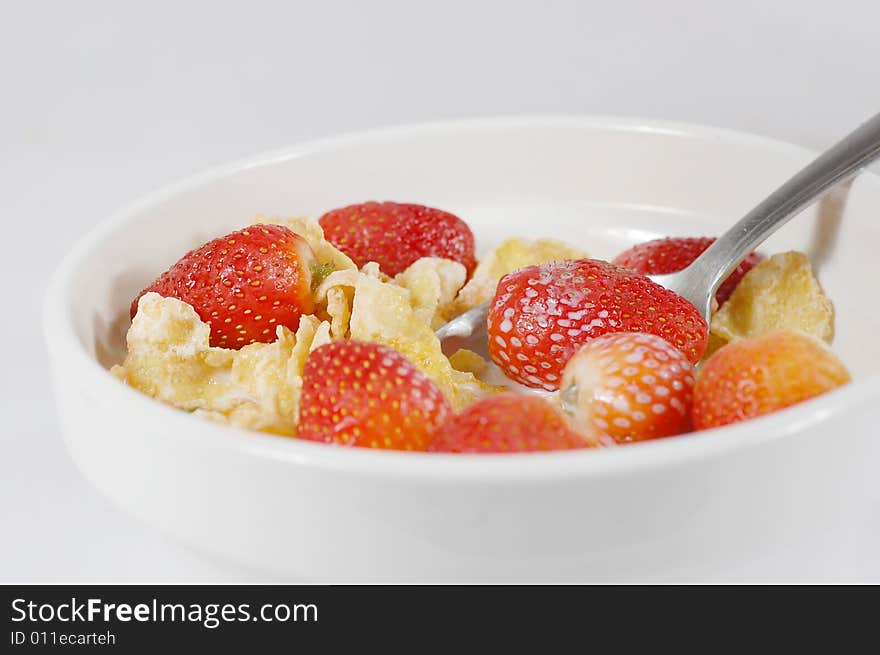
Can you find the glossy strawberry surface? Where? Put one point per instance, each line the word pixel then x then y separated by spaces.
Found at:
pixel 542 314
pixel 366 394
pixel 244 284
pixel 507 423
pixel 395 235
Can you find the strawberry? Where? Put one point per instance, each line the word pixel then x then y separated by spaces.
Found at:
pixel 366 394
pixel 394 235
pixel 670 255
pixel 507 423
pixel 244 284
pixel 629 386
pixel 541 315
pixel 748 378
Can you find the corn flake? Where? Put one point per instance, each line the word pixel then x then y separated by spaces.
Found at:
pixel 339 300
pixel 335 296
pixel 383 313
pixel 401 313
pixel 468 361
pixel 433 284
pixel 780 293
pixel 257 387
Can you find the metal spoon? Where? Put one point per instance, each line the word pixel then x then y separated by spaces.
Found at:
pixel 699 281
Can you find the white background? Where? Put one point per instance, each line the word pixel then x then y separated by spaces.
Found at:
pixel 102 102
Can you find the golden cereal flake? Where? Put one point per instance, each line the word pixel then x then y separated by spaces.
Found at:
pixel 372 269
pixel 780 293
pixel 339 300
pixel 257 387
pixel 322 336
pixel 309 229
pixel 306 334
pixel 468 361
pixel 511 255
pixel 383 313
pixel 715 342
pixel 347 278
pixel 336 279
pixel 335 296
pixel 433 284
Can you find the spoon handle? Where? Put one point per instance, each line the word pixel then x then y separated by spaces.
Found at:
pixel 842 161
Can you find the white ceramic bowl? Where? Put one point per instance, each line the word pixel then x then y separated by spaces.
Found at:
pixel 794 495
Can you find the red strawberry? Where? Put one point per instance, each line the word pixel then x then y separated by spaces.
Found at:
pixel 394 235
pixel 244 284
pixel 366 394
pixel 542 314
pixel 756 376
pixel 670 255
pixel 507 423
pixel 629 386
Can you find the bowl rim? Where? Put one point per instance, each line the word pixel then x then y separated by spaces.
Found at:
pixel 63 344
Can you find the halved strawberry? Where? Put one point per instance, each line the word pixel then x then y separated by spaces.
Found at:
pixel 542 314
pixel 672 254
pixel 244 284
pixel 507 423
pixel 629 386
pixel 366 394
pixel 394 235
pixel 748 378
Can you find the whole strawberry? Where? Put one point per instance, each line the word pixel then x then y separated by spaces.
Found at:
pixel 244 284
pixel 748 378
pixel 395 235
pixel 506 423
pixel 629 386
pixel 670 255
pixel 542 314
pixel 366 394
